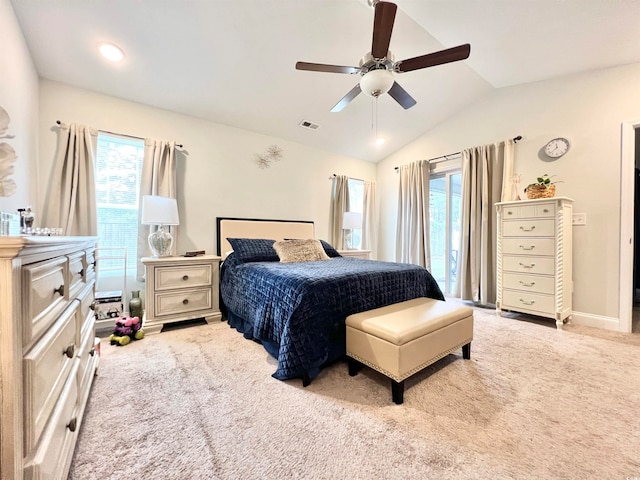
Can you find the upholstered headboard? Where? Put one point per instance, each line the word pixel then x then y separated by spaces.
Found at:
pixel 259 228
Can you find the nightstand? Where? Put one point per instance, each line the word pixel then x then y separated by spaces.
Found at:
pixel 181 288
pixel 365 254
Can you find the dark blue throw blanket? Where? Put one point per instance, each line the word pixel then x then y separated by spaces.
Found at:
pixel 298 310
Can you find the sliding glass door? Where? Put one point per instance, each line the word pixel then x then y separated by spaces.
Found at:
pixel 444 225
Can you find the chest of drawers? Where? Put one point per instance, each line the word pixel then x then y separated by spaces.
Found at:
pixel 181 288
pixel 534 258
pixel 47 332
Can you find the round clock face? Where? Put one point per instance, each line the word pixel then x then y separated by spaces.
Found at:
pixel 557 147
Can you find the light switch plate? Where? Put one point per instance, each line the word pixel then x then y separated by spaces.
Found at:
pixel 579 219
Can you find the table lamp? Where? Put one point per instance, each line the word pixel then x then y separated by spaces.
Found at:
pixel 161 211
pixel 351 221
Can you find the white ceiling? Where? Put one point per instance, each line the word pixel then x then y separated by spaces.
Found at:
pixel 233 61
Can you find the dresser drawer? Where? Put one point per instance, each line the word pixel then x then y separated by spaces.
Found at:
pixel 528 283
pixel 529 228
pixel 531 246
pixel 76 273
pixel 183 302
pixel 46 368
pixel 187 276
pixel 90 264
pixel 534 302
pixel 535 265
pixel 45 295
pixel 529 211
pixel 86 354
pixel 52 458
pixel 86 298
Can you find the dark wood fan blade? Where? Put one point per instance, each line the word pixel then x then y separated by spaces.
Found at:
pixel 401 96
pixel 383 19
pixel 353 93
pixel 320 67
pixel 449 55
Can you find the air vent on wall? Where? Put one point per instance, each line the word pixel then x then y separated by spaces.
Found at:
pixel 309 125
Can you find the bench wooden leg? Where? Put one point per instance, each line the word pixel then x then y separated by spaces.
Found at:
pixel 354 366
pixel 466 351
pixel 397 392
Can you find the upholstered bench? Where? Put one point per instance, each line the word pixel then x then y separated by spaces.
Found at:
pixel 401 339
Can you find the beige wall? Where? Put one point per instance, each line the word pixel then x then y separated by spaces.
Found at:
pixel 588 109
pixel 19 97
pixel 217 175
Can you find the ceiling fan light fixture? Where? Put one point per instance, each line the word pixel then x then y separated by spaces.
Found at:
pixel 376 82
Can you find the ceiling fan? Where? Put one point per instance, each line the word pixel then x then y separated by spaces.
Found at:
pixel 378 66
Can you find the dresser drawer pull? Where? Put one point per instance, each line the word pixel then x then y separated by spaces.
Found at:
pixel 92 352
pixel 530 247
pixel 527 303
pixel 69 351
pixel 81 272
pixel 530 284
pixel 94 263
pixel 533 227
pixel 185 301
pixel 531 265
pixel 93 306
pixel 185 277
pixel 546 210
pixel 59 290
pixel 73 424
pixel 509 212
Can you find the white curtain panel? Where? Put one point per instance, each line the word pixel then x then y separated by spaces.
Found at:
pixel 486 179
pixel 71 201
pixel 369 224
pixel 339 205
pixel 412 229
pixel 158 178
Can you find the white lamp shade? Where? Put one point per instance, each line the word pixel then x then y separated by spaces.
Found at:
pixel 376 82
pixel 159 210
pixel 351 220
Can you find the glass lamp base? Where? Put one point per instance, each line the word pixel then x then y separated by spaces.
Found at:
pixel 161 243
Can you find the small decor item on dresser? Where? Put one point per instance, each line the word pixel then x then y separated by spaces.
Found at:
pixel 127 328
pixel 135 304
pixel 542 188
pixel 194 253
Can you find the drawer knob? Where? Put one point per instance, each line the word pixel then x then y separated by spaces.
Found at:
pixel 92 352
pixel 73 424
pixel 531 284
pixel 530 247
pixel 533 227
pixel 185 301
pixel 531 265
pixel 509 212
pixel 81 272
pixel 59 290
pixel 94 263
pixel 93 306
pixel 546 210
pixel 524 302
pixel 69 351
pixel 185 277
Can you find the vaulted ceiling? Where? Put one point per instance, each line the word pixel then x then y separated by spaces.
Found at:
pixel 233 61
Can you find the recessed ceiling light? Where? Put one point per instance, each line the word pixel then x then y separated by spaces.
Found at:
pixel 110 52
pixel 379 141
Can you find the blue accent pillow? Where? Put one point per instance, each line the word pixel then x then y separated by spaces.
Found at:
pixel 253 250
pixel 329 250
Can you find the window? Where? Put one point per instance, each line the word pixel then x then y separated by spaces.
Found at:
pixel 118 171
pixel 444 227
pixel 356 204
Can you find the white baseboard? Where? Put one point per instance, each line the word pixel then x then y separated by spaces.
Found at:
pixel 597 321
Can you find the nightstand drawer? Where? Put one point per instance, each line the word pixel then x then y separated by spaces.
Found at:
pixel 186 276
pixel 529 228
pixel 530 246
pixel 529 283
pixel 528 301
pixel 537 265
pixel 183 301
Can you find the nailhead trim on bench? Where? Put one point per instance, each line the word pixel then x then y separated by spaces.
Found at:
pixel 414 370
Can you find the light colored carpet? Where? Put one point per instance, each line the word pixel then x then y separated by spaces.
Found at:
pixel 532 403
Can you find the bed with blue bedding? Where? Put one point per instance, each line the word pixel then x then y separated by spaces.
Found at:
pixel 297 310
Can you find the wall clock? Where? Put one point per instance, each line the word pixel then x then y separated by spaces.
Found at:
pixel 557 147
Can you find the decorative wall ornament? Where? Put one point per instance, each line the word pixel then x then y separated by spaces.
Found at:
pixel 272 154
pixel 4 124
pixel 7 158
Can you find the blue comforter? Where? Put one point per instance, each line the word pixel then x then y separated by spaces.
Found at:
pixel 298 310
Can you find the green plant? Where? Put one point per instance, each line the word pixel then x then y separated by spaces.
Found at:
pixel 542 181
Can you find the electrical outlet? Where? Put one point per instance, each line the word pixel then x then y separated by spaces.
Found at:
pixel 579 219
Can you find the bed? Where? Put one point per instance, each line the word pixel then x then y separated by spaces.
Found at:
pixel 297 310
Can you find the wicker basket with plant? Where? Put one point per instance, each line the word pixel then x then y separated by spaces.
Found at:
pixel 542 188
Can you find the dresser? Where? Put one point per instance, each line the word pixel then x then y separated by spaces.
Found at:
pixel 181 288
pixel 534 260
pixel 365 254
pixel 47 350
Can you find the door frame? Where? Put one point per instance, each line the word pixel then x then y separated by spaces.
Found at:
pixel 627 185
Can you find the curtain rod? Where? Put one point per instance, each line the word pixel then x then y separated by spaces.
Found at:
pixel 352 178
pixel 443 158
pixel 122 134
